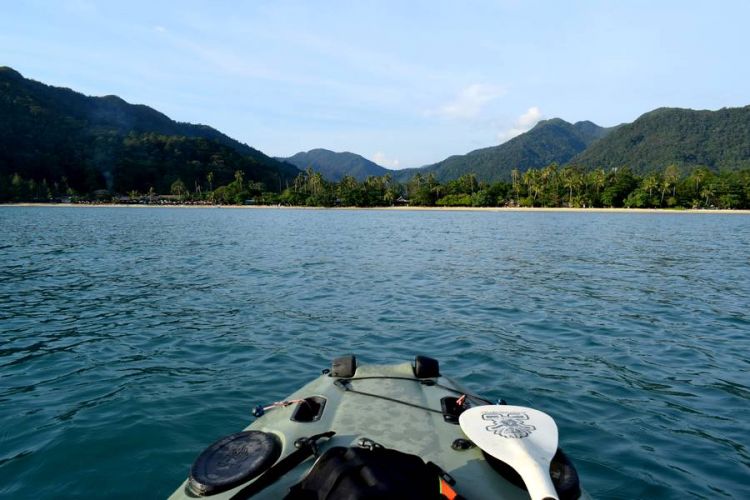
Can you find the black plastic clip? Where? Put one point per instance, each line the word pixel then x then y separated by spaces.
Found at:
pixel 312 442
pixel 368 444
pixel 462 444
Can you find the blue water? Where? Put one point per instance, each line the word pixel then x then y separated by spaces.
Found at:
pixel 132 338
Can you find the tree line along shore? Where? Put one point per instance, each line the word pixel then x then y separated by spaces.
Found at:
pixel 552 187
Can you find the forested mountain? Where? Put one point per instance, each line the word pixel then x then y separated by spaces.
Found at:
pixel 684 137
pixel 550 141
pixel 55 141
pixel 86 143
pixel 718 140
pixel 334 166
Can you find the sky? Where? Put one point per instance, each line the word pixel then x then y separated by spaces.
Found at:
pixel 404 84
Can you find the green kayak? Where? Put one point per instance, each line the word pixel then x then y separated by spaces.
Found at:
pixel 371 431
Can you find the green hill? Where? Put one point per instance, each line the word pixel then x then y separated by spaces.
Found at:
pixel 719 140
pixel 550 141
pixel 334 166
pixel 88 143
pixel 69 140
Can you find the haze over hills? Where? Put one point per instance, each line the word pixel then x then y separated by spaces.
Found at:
pixel 550 141
pixel 334 166
pixel 88 143
pixel 104 142
pixel 718 140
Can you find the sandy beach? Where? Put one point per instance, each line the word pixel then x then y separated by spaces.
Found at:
pixel 402 208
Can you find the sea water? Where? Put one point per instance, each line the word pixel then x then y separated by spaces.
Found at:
pixel 132 338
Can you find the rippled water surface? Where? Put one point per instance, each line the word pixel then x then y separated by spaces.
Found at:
pixel 132 338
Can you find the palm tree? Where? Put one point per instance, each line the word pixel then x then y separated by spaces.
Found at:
pixel 418 179
pixel 438 190
pixel 431 181
pixel 239 177
pixel 415 185
pixel 649 183
pixel 515 177
pixel 665 185
pixel 316 182
pixel 548 178
pixel 389 197
pixel 347 188
pixel 300 183
pixel 699 175
pixel 598 179
pixel 671 176
pixel 707 192
pixel 571 179
pixel 468 183
pixel 210 179
pixel 178 187
pixel 531 179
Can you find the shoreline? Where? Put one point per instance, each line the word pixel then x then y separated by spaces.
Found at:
pixel 404 208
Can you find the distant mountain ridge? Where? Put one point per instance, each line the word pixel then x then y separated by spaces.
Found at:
pixel 665 136
pixel 95 142
pixel 334 166
pixel 550 141
pixel 87 143
pixel 553 140
pixel 684 137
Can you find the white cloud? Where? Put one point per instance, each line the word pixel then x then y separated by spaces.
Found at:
pixel 524 123
pixel 381 159
pixel 160 29
pixel 469 102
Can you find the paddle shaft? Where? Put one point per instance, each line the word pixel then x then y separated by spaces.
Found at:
pixel 538 482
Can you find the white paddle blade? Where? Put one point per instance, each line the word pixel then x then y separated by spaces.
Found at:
pixel 524 438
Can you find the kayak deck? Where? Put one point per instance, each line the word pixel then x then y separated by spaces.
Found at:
pixel 386 404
